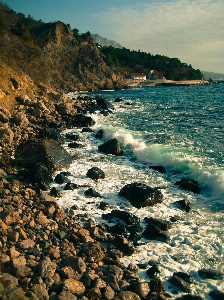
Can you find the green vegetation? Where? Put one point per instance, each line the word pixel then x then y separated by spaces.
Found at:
pixel 136 61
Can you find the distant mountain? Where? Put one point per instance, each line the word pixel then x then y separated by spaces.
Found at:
pixel 212 75
pixel 105 42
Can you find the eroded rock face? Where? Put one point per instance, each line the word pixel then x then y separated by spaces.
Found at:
pixel 141 195
pixel 48 152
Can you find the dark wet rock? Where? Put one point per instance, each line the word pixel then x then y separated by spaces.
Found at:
pixel 55 192
pixel 92 193
pixel 104 206
pixel 111 269
pixel 162 224
pixel 103 103
pixel 72 136
pixel 108 293
pixel 40 173
pixel 159 169
pixel 152 232
pixel 189 184
pixel 48 152
pixel 140 288
pixel 186 277
pixel 95 173
pixel 184 204
pixel 81 120
pixel 117 99
pixel 190 297
pixel 210 274
pixel 51 134
pixel 123 245
pixel 127 295
pixel 118 228
pixel 71 186
pixel 111 147
pixel 100 134
pixel 157 286
pixel 86 129
pixel 141 195
pixel 97 233
pixel 61 178
pixel 93 250
pixel 180 283
pixel 75 145
pixel 93 293
pixel 126 217
pixel 77 264
pixel 153 271
pixel 216 295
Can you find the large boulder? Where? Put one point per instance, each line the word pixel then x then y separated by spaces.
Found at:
pixel 141 195
pixel 189 184
pixel 48 152
pixel 103 103
pixel 81 120
pixel 95 173
pixel 111 147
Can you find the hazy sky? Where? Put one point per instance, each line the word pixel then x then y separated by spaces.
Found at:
pixel 192 30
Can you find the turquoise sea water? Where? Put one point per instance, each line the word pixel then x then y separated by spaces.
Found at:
pixel 182 129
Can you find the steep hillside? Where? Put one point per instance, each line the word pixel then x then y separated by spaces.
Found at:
pixel 51 55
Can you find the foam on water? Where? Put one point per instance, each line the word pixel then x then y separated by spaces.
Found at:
pixel 196 240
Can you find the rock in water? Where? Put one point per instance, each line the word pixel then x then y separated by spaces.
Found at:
pixel 141 195
pixel 189 184
pixel 111 147
pixel 48 152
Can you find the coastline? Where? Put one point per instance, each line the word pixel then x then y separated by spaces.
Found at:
pixel 54 234
pixel 165 82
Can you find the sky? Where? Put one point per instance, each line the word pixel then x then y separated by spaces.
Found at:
pixel 191 30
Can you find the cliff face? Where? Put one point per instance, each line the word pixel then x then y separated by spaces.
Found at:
pixel 50 54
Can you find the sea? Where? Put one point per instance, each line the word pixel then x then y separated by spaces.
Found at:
pixel 182 129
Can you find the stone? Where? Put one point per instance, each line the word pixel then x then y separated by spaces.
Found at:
pixel 189 184
pixel 75 145
pixel 20 119
pixel 93 250
pixel 26 244
pixel 108 293
pixel 81 120
pixel 126 295
pixel 157 286
pixel 141 195
pixel 103 103
pixel 8 280
pixel 100 134
pixel 95 173
pixel 48 152
pixel 39 173
pixel 184 204
pixel 92 193
pixel 6 136
pixel 111 147
pixel 180 283
pixel 210 274
pixel 61 178
pixel 123 245
pixel 72 136
pixel 93 293
pixel 66 295
pixel 77 264
pixel 46 268
pixel 161 224
pixel 140 288
pixel 126 217
pixel 216 295
pixel 40 290
pixel 152 232
pixel 74 286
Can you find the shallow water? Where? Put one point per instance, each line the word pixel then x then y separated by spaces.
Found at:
pixel 180 128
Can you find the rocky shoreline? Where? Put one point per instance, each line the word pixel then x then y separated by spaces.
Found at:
pixel 48 253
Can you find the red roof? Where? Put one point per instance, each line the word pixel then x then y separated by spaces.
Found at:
pixel 138 74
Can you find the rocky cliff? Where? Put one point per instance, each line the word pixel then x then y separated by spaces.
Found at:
pixel 36 53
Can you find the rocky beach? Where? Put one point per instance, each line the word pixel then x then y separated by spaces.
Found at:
pixel 48 252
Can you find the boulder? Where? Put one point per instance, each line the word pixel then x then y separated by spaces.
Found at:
pixel 123 244
pixel 125 216
pixel 6 136
pixel 111 147
pixel 141 195
pixel 95 173
pixel 159 169
pixel 20 119
pixel 75 145
pixel 210 274
pixel 184 204
pixel 216 295
pixel 103 103
pixel 153 232
pixel 161 224
pixel 189 184
pixel 81 120
pixel 140 288
pixel 39 173
pixel 48 152
pixel 100 134
pixel 92 193
pixel 77 264
pixel 72 136
pixel 126 295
